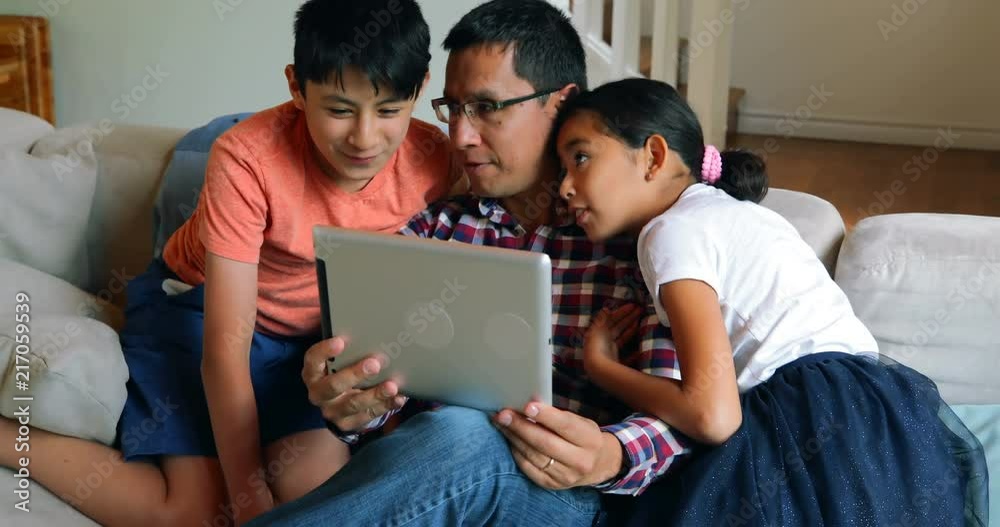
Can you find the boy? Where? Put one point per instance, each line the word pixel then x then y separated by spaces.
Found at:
pixel 225 354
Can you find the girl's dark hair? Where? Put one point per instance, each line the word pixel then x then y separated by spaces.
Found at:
pixel 388 40
pixel 632 110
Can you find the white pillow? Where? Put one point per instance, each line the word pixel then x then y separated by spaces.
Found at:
pixel 76 374
pixel 19 130
pixel 45 202
pixel 928 288
pixel 51 296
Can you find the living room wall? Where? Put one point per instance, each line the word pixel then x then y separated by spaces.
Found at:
pixel 182 62
pixel 898 70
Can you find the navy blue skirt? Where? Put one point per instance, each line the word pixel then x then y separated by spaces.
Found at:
pixel 166 413
pixel 831 439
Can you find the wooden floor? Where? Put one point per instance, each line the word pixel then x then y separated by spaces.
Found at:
pixel 863 179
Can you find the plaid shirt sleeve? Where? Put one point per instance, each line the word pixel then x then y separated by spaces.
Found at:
pixel 648 444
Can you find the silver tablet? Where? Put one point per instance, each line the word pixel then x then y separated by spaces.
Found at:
pixel 456 323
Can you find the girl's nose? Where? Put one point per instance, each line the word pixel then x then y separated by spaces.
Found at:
pixel 566 188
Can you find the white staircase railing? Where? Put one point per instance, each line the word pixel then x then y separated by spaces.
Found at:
pixel 708 71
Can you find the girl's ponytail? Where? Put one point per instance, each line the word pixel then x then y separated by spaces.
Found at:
pixel 743 175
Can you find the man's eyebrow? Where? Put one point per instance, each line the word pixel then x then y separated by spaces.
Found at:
pixel 485 95
pixel 480 95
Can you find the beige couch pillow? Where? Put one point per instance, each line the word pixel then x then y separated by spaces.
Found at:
pixel 52 296
pixel 45 202
pixel 19 130
pixel 73 369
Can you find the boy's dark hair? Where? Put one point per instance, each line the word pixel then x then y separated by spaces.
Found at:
pixel 632 110
pixel 388 40
pixel 547 49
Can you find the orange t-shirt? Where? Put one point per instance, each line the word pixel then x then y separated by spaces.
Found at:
pixel 264 192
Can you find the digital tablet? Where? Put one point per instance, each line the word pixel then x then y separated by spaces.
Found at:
pixel 455 323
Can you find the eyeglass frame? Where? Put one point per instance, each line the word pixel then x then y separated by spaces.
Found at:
pixel 495 106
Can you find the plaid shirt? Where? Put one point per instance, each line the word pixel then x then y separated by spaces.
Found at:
pixel 586 277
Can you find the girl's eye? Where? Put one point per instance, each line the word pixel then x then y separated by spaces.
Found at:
pixel 579 158
pixel 389 111
pixel 338 112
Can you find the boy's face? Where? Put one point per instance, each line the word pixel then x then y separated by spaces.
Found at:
pixel 355 131
pixel 504 154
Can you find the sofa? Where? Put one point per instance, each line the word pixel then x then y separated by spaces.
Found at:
pixel 76 224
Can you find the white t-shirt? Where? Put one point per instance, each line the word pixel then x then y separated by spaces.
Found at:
pixel 778 301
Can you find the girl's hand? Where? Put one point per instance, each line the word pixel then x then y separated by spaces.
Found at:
pixel 609 332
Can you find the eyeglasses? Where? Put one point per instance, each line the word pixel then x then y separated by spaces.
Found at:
pixel 448 111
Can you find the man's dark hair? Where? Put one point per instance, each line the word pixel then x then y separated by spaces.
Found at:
pixel 388 40
pixel 547 49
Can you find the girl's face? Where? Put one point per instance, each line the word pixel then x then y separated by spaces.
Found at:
pixel 603 181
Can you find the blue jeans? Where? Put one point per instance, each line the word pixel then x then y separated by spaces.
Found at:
pixel 443 467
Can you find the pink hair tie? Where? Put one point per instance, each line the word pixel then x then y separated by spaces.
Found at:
pixel 711 166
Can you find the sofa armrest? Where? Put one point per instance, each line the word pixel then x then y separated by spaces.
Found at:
pixel 928 288
pixel 816 219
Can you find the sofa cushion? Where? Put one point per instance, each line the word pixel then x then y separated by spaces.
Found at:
pixel 76 374
pixel 816 219
pixel 76 369
pixel 130 163
pixel 184 177
pixel 45 202
pixel 928 287
pixel 19 130
pixel 52 296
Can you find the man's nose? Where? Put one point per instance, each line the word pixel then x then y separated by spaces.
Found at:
pixel 463 134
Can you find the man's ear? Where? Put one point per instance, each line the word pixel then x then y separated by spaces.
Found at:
pixel 297 92
pixel 655 155
pixel 559 98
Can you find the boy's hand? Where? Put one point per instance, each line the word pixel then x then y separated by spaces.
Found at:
pixel 344 405
pixel 609 332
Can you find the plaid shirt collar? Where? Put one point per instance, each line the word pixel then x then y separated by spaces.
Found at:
pixel 494 211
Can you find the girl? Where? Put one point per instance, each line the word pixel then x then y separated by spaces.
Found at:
pixel 800 422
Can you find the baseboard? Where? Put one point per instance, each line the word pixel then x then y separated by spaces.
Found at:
pixel 781 125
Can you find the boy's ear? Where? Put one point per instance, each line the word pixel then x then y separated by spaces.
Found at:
pixel 423 86
pixel 297 92
pixel 655 155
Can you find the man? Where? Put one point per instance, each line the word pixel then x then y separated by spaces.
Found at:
pixel 512 64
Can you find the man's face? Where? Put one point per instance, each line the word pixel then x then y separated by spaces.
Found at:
pixel 503 152
pixel 355 130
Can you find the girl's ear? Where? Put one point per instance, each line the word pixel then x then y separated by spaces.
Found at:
pixel 655 155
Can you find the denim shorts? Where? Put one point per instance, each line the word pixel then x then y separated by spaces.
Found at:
pixel 166 413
